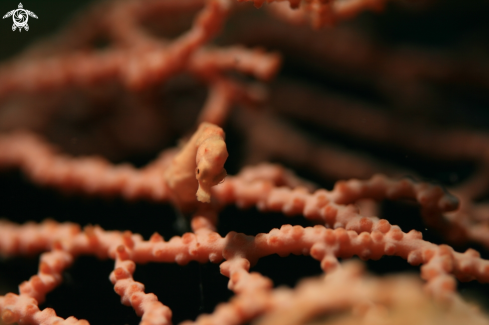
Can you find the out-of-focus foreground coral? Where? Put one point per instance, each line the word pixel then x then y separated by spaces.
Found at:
pixel 229 162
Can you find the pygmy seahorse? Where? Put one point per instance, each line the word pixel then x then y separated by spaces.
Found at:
pixel 197 167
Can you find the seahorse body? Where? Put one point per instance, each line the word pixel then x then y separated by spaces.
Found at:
pixel 197 167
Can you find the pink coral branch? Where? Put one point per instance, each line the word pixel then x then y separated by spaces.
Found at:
pixel 91 175
pixel 320 13
pixel 66 242
pixel 177 176
pixel 333 207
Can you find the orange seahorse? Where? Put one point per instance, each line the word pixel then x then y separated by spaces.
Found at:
pixel 197 167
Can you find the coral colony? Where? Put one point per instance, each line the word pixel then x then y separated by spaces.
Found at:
pixel 113 64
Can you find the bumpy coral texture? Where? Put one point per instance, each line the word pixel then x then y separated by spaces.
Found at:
pixel 191 177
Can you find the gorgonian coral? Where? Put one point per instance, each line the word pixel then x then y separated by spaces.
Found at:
pixel 126 78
